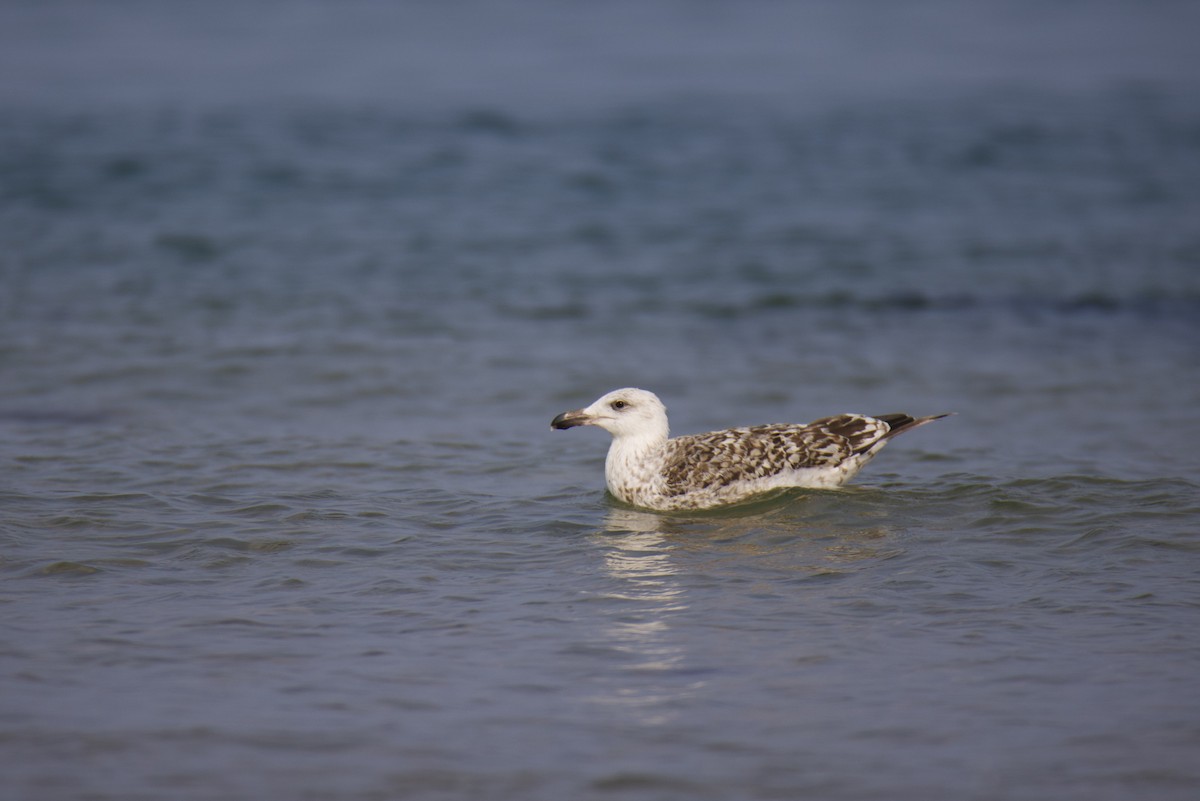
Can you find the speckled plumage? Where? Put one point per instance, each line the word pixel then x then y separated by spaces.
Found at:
pixel 645 468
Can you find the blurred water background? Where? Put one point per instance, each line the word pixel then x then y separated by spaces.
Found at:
pixel 291 290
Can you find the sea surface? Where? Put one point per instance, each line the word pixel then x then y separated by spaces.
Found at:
pixel 290 292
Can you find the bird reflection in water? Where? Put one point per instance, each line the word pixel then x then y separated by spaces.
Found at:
pixel 654 561
pixel 656 677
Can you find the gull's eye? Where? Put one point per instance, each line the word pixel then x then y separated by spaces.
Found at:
pixel 619 405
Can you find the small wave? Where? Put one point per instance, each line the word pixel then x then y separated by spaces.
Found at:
pixel 1183 306
pixel 1085 511
pixel 67 568
pixel 268 545
pixel 56 417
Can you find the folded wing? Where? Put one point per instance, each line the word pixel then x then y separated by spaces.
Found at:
pixel 745 454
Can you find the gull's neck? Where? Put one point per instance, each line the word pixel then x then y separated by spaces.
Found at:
pixel 635 463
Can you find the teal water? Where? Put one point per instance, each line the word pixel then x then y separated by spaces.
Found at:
pixel 281 515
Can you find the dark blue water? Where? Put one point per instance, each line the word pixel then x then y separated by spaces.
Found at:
pixel 291 292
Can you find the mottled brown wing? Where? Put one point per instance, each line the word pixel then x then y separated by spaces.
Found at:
pixel 740 454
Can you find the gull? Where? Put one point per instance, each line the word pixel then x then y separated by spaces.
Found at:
pixel 646 468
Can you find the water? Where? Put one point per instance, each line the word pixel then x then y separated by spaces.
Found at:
pixel 281 335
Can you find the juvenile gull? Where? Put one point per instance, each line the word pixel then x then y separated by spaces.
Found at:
pixel 645 468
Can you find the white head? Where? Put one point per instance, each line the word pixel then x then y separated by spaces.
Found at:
pixel 624 413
